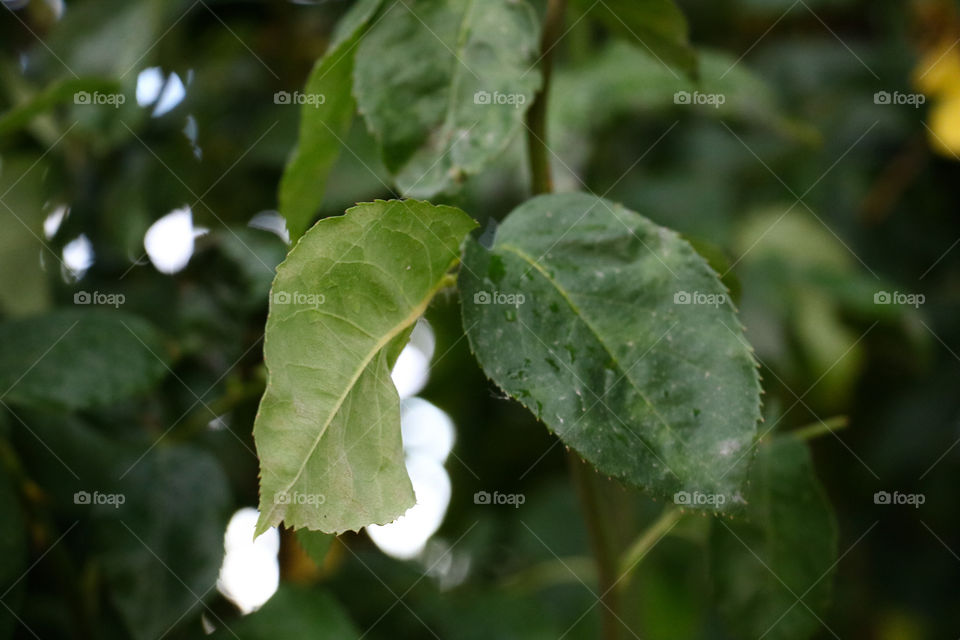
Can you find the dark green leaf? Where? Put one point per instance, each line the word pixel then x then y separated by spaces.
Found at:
pixel 293 614
pixel 617 335
pixel 78 359
pixel 163 546
pixel 781 551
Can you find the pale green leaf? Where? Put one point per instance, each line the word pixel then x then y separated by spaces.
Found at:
pixel 780 550
pixel 422 79
pixel 578 312
pixel 324 125
pixel 344 301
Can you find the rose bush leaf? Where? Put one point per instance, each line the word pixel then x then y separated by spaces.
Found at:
pixel 617 335
pixel 323 125
pixel 772 566
pixel 444 85
pixel 343 302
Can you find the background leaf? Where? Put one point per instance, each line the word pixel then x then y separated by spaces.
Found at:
pixel 328 428
pixel 78 359
pixel 422 77
pixel 323 126
pixel 783 549
pixel 656 27
pixel 161 549
pixel 574 312
pixel 296 614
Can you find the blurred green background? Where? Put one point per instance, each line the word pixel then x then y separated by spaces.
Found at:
pixel 806 190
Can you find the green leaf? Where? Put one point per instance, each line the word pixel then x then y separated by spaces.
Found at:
pixel 574 312
pixel 419 77
pixel 591 96
pixel 656 27
pixel 342 304
pixel 316 544
pixel 78 359
pixel 58 92
pixel 21 218
pixel 161 549
pixel 323 126
pixel 293 614
pixel 783 550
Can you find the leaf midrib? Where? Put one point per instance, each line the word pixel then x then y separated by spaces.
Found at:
pixel 576 310
pixel 415 313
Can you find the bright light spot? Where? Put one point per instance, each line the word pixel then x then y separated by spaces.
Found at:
pixel 57 7
pixel 52 222
pixel 427 430
pixel 169 240
pixel 445 565
pixel 250 573
pixel 412 369
pixel 191 130
pixel 422 338
pixel 149 85
pixel 406 538
pixel 273 222
pixel 77 257
pixel 173 94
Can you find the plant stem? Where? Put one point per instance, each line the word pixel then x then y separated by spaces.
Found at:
pixel 819 428
pixel 642 545
pixel 583 475
pixel 541 180
pixel 604 555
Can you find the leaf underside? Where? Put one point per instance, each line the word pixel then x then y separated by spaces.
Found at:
pixel 342 306
pixel 662 395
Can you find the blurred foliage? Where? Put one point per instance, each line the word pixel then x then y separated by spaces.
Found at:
pixel 805 193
